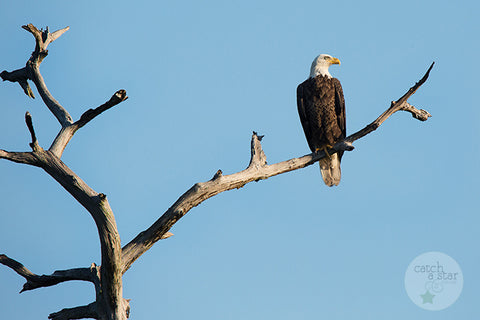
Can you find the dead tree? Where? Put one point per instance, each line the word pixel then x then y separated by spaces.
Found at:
pixel 115 259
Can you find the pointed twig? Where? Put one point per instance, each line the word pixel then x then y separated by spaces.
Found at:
pixel 34 144
pixel 55 35
pixel 257 156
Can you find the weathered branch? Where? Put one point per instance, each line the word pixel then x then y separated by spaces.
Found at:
pixel 42 39
pixel 25 157
pixel 90 114
pixel 421 114
pixel 257 156
pixel 88 311
pixel 34 144
pixel 20 157
pixel 400 104
pixel 19 76
pixel 67 132
pixel 256 170
pixel 97 205
pixel 109 300
pixel 38 281
pixel 99 208
pixel 53 105
pixel 109 287
pixel 107 279
pixel 32 72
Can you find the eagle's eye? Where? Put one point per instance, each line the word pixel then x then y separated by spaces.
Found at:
pixel 326 57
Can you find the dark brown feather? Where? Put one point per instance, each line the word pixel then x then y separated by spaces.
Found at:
pixel 321 107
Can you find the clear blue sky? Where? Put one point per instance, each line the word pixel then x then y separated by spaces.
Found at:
pixel 201 75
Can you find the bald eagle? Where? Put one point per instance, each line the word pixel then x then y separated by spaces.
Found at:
pixel 321 107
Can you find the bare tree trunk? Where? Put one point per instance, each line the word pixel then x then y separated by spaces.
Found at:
pixel 107 278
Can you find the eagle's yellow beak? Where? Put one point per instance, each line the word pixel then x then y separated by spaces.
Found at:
pixel 334 61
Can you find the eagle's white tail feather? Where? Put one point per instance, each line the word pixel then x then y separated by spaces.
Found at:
pixel 330 169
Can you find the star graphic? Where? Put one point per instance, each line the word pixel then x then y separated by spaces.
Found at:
pixel 427 297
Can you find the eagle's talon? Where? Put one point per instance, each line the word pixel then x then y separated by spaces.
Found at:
pixel 325 149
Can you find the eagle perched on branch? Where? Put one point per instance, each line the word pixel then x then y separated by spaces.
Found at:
pixel 321 107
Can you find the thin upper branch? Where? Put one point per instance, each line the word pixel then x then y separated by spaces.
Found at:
pixel 90 114
pixel 400 104
pixel 35 281
pixel 53 105
pixel 42 39
pixel 256 170
pixel 67 132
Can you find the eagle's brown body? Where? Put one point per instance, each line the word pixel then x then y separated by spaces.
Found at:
pixel 321 107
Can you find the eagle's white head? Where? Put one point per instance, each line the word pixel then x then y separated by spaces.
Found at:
pixel 320 65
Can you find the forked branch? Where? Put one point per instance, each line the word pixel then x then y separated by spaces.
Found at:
pixel 32 72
